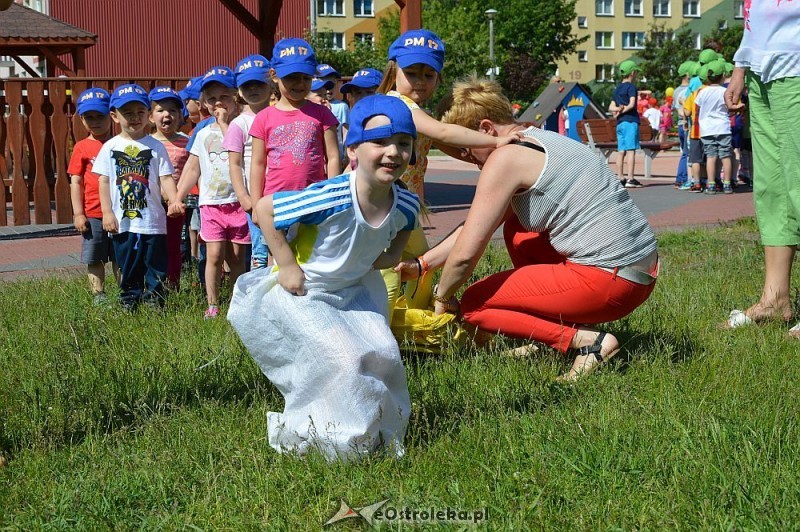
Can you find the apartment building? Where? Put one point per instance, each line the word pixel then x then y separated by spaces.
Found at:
pixel 346 22
pixel 616 29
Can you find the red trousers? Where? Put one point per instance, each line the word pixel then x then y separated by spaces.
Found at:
pixel 546 297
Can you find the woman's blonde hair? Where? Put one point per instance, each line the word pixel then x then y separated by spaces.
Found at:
pixel 474 100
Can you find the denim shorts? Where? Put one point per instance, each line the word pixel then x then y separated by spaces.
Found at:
pixel 96 246
pixel 627 136
pixel 717 146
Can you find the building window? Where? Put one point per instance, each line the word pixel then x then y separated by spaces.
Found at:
pixel 691 8
pixel 582 23
pixel 604 73
pixel 633 8
pixel 632 40
pixel 330 8
pixel 661 8
pixel 604 8
pixel 738 9
pixel 366 38
pixel 660 38
pixel 583 56
pixel 333 39
pixel 363 8
pixel 604 40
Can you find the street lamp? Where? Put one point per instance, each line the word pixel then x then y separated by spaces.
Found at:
pixel 490 14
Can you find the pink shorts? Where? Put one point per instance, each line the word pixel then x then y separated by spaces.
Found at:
pixel 224 223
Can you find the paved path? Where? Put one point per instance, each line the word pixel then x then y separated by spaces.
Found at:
pixel 450 187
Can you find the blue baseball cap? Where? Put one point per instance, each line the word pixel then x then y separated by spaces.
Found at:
pixel 93 100
pixel 317 84
pixel 165 93
pixel 219 74
pixel 291 56
pixel 192 89
pixel 252 68
pixel 363 79
pixel 125 94
pixel 418 46
pixel 379 104
pixel 324 70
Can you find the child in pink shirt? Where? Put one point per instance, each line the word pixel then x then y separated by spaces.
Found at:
pixel 294 141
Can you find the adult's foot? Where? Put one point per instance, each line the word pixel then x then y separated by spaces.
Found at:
pixel 759 313
pixel 603 344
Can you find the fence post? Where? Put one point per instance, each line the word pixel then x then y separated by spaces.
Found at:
pixel 3 162
pixel 37 127
pixel 19 190
pixel 60 129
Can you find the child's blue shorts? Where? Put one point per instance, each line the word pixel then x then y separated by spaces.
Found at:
pixel 627 136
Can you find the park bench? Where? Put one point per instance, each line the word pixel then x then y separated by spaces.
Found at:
pixel 601 135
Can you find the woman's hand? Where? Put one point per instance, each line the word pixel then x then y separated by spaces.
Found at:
pixel 451 307
pixel 510 139
pixel 734 90
pixel 292 279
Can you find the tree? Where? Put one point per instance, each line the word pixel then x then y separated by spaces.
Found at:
pixel 536 32
pixel 663 53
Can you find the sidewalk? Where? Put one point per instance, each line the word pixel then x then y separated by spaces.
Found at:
pixel 450 187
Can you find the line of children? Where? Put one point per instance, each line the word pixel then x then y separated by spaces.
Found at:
pixel 134 171
pixel 96 249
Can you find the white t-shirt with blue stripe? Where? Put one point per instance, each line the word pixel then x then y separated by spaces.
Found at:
pixel 333 243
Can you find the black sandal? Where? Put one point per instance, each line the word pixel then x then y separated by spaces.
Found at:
pixel 588 350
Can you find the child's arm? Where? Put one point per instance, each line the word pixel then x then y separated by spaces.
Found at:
pixel 76 195
pixel 237 180
pixel 258 167
pixel 331 152
pixel 391 256
pixel 170 189
pixel 109 218
pixel 290 275
pixel 455 135
pixel 189 177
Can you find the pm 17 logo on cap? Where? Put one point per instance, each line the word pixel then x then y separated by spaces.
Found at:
pixel 130 90
pixel 421 41
pixel 294 50
pixel 250 63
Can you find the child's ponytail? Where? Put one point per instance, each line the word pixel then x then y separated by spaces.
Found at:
pixel 389 81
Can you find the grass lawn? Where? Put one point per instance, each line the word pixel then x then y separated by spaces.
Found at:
pixel 157 421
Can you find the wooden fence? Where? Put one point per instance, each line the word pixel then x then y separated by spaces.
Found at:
pixel 38 127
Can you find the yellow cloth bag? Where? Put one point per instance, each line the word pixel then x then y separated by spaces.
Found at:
pixel 423 331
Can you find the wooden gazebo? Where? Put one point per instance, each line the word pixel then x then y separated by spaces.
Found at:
pixel 24 31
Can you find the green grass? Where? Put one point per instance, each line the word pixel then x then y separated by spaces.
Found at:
pixel 158 421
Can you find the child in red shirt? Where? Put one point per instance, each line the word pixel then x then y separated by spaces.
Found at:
pixel 96 249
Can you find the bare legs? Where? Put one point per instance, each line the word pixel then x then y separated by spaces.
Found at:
pixel 216 254
pixel 585 364
pixel 630 155
pixel 775 300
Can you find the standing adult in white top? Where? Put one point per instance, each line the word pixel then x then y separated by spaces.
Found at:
pixel 768 62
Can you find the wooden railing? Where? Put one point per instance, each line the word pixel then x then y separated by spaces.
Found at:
pixel 38 127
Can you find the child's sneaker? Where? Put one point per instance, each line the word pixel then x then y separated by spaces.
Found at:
pixel 686 186
pixel 211 312
pixel 632 183
pixel 727 188
pixel 696 187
